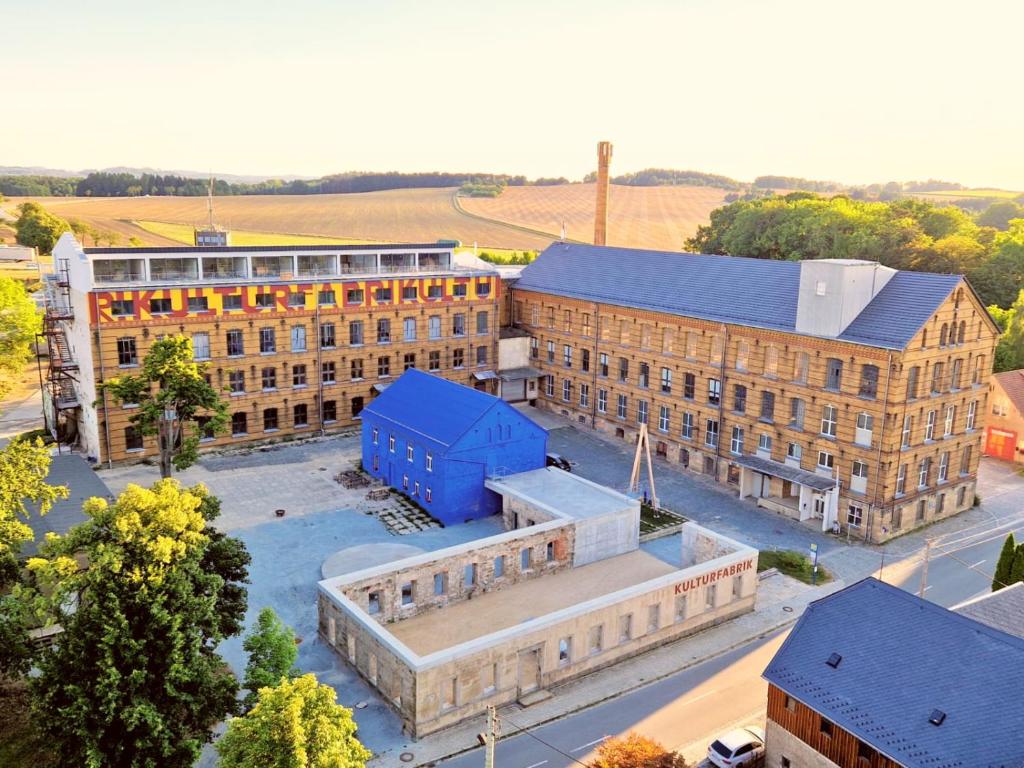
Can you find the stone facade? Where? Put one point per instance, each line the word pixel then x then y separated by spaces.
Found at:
pixel 712 393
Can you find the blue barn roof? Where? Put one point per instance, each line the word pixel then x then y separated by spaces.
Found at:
pixel 438 409
pixel 903 658
pixel 761 293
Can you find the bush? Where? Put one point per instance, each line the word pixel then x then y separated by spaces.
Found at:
pixel 792 563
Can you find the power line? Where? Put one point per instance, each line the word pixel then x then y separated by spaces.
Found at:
pixel 521 729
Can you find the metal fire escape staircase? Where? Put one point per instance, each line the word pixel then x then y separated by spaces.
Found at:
pixel 61 374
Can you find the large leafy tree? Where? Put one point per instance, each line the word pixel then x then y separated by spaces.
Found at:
pixel 135 680
pixel 1004 564
pixel 24 466
pixel 1009 354
pixel 296 724
pixel 19 324
pixel 38 227
pixel 272 654
pixel 172 394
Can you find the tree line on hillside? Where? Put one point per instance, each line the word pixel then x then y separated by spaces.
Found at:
pixel 37 186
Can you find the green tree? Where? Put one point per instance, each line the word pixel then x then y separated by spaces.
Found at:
pixel 1017 566
pixel 272 654
pixel 172 394
pixel 19 323
pixel 1004 564
pixel 1009 354
pixel 38 227
pixel 1000 214
pixel 135 680
pixel 296 724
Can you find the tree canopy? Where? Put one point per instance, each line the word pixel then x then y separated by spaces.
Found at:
pixel 272 654
pixel 636 751
pixel 19 323
pixel 171 381
pixel 296 724
pixel 135 680
pixel 39 228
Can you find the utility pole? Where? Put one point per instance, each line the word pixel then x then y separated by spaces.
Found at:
pixel 924 570
pixel 489 738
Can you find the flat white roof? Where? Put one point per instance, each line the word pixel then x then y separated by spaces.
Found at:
pixel 563 493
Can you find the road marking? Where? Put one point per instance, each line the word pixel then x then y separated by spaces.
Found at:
pixel 589 744
pixel 696 698
pixel 537 765
pixel 980 562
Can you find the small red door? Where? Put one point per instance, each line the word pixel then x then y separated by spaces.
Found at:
pixel 1001 443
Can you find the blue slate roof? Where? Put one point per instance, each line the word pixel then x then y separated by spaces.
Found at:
pixel 903 658
pixel 761 293
pixel 435 408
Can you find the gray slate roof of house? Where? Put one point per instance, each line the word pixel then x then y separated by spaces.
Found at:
pixel 82 482
pixel 903 658
pixel 761 293
pixel 1003 610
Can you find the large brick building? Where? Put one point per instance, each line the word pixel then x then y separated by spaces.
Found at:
pixel 300 338
pixel 839 389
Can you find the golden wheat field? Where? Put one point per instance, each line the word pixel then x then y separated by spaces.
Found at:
pixel 639 217
pixel 412 215
pixel 521 218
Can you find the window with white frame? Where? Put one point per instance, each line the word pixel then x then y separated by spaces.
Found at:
pixel 950 420
pixel 944 467
pixel 641 411
pixel 859 477
pixel 854 515
pixel 602 401
pixel 409 453
pixel 429 461
pixel 826 460
pixel 714 391
pixel 828 420
pixel 666 380
pixel 764 443
pixel 567 355
pixel 584 395
pixel 865 427
pixel 621 407
pixel 908 428
pixel 901 480
pixel 549 385
pixel 929 426
pixel 391 443
pixel 795 451
pixel 663 418
pixel 200 346
pixel 711 434
pixel 687 426
pixel 736 443
pixel 566 390
pixel 972 410
pixel 299 338
pixel 922 472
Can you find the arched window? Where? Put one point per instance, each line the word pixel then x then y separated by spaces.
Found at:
pixel 924 338
pixel 963 331
pixel 942 335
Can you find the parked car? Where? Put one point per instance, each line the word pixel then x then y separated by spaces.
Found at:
pixel 743 746
pixel 557 460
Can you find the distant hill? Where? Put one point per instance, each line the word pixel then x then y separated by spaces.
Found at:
pixel 20 170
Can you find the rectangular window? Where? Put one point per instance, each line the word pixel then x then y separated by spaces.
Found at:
pixel 710 593
pixel 200 346
pixel 645 375
pixel 409 329
pixel 268 378
pixel 269 419
pixel 132 438
pixel 300 415
pixel 689 386
pixel 524 559
pixel 458 325
pixel 663 421
pixel 585 360
pixel 923 470
pixel 586 324
pixel 944 467
pixel 621 406
pixel 584 395
pixel 268 341
pixel 801 366
pixel 742 355
pixel 357 368
pixel 567 321
pixel 602 367
pixel 383 295
pixel 383 331
pixel 711 434
pixel 330 411
pixel 236 382
pixel 641 411
pixel 354 296
pixel 434 292
pixel 826 461
pixel 834 374
pixel 499 566
pixel 231 302
pixel 908 427
pixel 566 390
pixel 937 380
pixel 736 444
pixel 383 366
pixel 469 575
pixel 327 340
pixel 653 617
pixel 714 391
pixel 298 338
pixel 859 477
pixel 949 421
pixel 767 406
pixel 625 628
pixel 551 351
pixel 596 639
pixel 901 480
pixel 409 293
pixel 602 401
pixel 564 651
pixel 795 451
pixel 126 352
pixel 238 425
pixel 549 386
pixel 481 355
pixel 459 291
pixel 408 361
pixel 122 308
pixel 739 398
pixel 771 361
pixel 854 515
pixel 441 584
pixel 434 327
pixel 972 409
pixel 687 426
pixel 929 426
pixel 409 593
pixel 434 360
pixel 912 378
pixel 623 370
pixel 717 348
pixel 534 348
pixel 567 355
pixel 299 375
pixel 265 300
pixel 483 326
pixel 355 333
pixel 764 444
pixel 326 298
pixel 236 343
pixel 458 358
pixel 666 381
pixel 679 613
pixel 691 345
pixel 829 416
pixel 868 381
pixel 328 372
pixel 198 304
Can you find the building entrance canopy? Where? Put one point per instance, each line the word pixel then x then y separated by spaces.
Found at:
pixel 786 472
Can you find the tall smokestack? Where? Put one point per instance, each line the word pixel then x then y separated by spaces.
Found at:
pixel 604 157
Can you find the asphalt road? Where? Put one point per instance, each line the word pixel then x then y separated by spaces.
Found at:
pixel 683 711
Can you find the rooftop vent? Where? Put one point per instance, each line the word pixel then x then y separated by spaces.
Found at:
pixel 937 717
pixel 833 660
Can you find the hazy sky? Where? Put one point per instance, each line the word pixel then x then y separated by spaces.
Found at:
pixel 855 91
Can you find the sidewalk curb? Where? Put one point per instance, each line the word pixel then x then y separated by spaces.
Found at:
pixel 616 694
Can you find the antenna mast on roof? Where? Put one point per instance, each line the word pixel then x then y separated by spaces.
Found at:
pixel 209 203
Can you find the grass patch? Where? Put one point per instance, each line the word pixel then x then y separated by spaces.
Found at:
pixel 21 746
pixel 653 519
pixel 183 233
pixel 791 563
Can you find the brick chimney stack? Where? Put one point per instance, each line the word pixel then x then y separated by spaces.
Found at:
pixel 604 157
